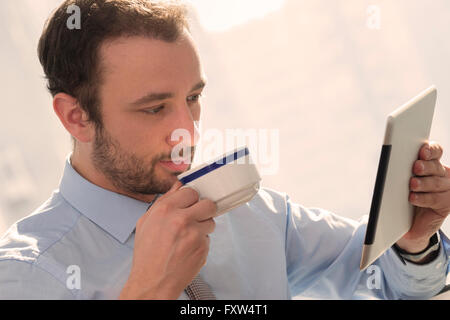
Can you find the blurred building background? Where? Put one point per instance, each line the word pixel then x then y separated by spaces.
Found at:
pixel 324 73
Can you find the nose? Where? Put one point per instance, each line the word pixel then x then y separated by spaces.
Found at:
pixel 184 129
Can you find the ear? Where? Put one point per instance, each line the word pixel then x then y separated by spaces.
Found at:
pixel 73 117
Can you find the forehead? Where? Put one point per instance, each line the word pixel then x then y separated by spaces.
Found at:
pixel 136 62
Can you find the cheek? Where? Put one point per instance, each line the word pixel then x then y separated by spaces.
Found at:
pixel 139 135
pixel 196 112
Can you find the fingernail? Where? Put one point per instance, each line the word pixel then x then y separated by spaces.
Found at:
pixel 427 154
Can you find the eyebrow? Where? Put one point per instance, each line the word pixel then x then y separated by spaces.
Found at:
pixel 152 97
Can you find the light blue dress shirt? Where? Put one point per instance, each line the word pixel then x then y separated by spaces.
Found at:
pixel 79 245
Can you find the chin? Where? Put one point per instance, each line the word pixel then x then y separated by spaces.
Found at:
pixel 169 178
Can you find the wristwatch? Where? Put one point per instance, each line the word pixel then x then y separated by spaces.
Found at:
pixel 434 245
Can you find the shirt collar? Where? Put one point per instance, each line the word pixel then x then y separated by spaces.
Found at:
pixel 115 213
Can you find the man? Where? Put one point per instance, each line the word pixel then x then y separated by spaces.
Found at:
pixel 122 83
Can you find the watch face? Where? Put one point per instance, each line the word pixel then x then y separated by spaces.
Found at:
pixel 434 239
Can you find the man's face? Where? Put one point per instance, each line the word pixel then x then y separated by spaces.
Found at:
pixel 150 89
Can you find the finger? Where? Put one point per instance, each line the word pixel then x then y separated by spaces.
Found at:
pixel 434 200
pixel 177 185
pixel 429 168
pixel 431 151
pixel 430 184
pixel 207 226
pixel 183 198
pixel 171 191
pixel 203 210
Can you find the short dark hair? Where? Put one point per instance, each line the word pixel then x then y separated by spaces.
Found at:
pixel 70 56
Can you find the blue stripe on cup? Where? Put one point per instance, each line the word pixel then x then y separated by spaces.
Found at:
pixel 216 165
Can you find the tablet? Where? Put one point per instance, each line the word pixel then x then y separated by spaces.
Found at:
pixel 391 213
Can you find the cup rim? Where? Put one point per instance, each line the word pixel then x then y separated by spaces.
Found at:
pixel 214 164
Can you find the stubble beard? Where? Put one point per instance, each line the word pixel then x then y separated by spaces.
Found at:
pixel 125 170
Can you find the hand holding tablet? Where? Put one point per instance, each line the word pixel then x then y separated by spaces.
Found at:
pixel 391 214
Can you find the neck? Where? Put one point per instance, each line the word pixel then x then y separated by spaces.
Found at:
pixel 81 162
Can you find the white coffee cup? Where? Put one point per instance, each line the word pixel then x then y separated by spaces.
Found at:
pixel 229 180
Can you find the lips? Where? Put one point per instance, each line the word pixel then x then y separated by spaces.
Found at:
pixel 172 166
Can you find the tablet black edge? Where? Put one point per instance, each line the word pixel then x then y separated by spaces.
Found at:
pixel 377 194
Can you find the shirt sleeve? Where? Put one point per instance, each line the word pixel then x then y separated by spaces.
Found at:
pixel 323 253
pixel 21 280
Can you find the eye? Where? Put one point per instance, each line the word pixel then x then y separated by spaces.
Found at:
pixel 194 98
pixel 154 110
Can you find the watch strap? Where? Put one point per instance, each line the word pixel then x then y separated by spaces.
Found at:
pixel 434 245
